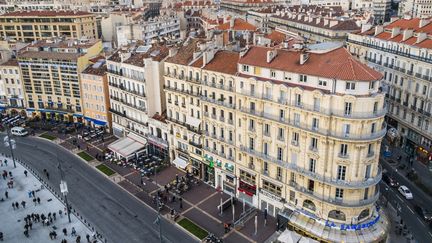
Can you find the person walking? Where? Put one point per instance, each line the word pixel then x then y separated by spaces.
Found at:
pixel 54 216
pixel 25 173
pixel 47 175
pixel 13 206
pixel 6 194
pixel 38 200
pixel 78 239
pixel 17 205
pixel 23 203
pixel 65 231
pixel 33 193
pixel 88 238
pixel 181 203
pixel 73 233
pixel 5 162
pixel 10 173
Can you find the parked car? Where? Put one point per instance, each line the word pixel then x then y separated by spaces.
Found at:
pixel 405 192
pixel 19 131
pixel 423 212
pixel 391 181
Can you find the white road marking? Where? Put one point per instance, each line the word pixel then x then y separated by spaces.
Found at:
pixel 430 234
pixel 410 210
pixel 421 222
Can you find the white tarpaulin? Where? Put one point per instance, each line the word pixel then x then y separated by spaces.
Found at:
pixel 180 163
pixel 128 146
pixel 289 237
pixel 193 121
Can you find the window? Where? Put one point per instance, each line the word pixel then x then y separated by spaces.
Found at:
pixel 251 143
pixel 368 171
pixel 308 203
pixel 375 108
pixel 272 74
pixel 296 119
pixel 316 104
pixel 314 143
pixel 348 108
pixel 298 100
pixel 346 129
pixel 341 172
pixel 344 150
pixel 265 165
pixel 245 68
pixel 251 125
pixel 257 71
pixel 312 165
pixel 339 193
pixel 322 83
pixel 281 114
pixel 373 129
pixel 295 138
pixel 315 124
pixel 350 86
pixel 366 194
pixel 280 133
pixel 265 148
pixel 279 154
pixel 337 214
pixel 267 129
pixel 303 78
pixel 311 185
pixel 279 172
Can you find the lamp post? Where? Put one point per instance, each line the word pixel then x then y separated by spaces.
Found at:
pixel 63 188
pixel 158 217
pixel 8 142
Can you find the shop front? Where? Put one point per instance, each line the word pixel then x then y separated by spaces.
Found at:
pixel 209 170
pixel 157 146
pixel 247 191
pixel 270 202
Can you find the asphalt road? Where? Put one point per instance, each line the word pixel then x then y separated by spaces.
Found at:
pixel 420 229
pixel 116 214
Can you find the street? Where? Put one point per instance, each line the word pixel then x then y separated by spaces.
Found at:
pixel 116 214
pixel 419 228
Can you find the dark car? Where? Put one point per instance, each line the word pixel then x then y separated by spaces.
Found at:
pixel 424 213
pixel 390 180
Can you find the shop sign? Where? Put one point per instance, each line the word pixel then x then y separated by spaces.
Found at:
pixel 353 226
pixel 209 159
pixel 229 167
pixel 270 195
pixel 218 163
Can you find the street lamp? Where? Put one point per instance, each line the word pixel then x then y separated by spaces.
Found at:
pixel 63 188
pixel 8 142
pixel 158 217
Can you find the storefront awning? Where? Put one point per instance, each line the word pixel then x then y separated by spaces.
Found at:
pixel 95 121
pixel 193 121
pixel 180 163
pixel 128 146
pixel 289 237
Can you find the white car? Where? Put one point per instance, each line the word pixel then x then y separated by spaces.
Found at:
pixel 405 192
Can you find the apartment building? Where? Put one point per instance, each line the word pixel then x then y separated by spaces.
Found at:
pixel 415 8
pixel 12 86
pixel 402 51
pixel 167 26
pixel 296 133
pixel 50 75
pixel 135 78
pixel 381 10
pixel 95 95
pixel 29 26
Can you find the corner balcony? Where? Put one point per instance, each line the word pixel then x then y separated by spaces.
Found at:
pixel 330 181
pixel 343 202
pixel 218 102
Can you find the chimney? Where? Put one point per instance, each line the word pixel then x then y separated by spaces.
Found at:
pixel 208 56
pixel 232 23
pixel 326 21
pixel 271 55
pixel 318 20
pixel 333 23
pixel 172 52
pixel 395 32
pixel 421 37
pixel 407 33
pixel 379 29
pixel 304 56
pixel 423 22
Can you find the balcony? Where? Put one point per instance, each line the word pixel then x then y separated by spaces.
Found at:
pixel 218 102
pixel 184 91
pixel 117 112
pixel 157 140
pixel 337 201
pixel 197 145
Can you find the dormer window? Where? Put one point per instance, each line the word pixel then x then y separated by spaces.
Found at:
pixel 272 74
pixel 303 78
pixel 350 86
pixel 245 68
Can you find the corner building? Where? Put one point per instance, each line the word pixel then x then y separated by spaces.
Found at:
pixel 293 132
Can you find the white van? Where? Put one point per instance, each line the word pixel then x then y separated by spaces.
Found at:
pixel 19 131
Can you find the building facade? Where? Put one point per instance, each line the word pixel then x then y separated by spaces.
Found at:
pixel 50 71
pixel 12 85
pixel 415 8
pixel 283 132
pixel 29 26
pixel 135 81
pixel 402 51
pixel 95 95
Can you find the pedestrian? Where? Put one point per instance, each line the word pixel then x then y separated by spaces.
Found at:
pixel 51 235
pixel 6 194
pixel 23 203
pixel 25 173
pixel 30 225
pixel 44 171
pixel 73 233
pixel 181 203
pixel 47 175
pixel 10 173
pixel 5 162
pixel 225 228
pixel 65 231
pixel 78 239
pixel 88 238
pixel 61 213
pixel 55 234
pixel 35 201
pixel 13 206
pixel 26 226
pixel 17 205
pixel 38 200
pixel 26 233
pixel 79 147
pixel 33 193
pixel 177 178
pixel 54 216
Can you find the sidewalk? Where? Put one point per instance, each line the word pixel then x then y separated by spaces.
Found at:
pixel 12 220
pixel 394 235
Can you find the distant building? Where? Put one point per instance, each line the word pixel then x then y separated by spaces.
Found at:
pixel 381 11
pixel 51 77
pixel 11 83
pixel 415 8
pixel 29 26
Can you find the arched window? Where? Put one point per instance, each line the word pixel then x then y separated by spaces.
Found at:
pixel 309 205
pixel 336 214
pixel 363 214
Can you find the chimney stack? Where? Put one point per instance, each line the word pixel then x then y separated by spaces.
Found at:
pixel 271 55
pixel 304 56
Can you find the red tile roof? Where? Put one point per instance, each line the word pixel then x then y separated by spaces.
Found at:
pixel 239 25
pixel 45 13
pixel 338 64
pixel 276 37
pixel 11 62
pixel 223 62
